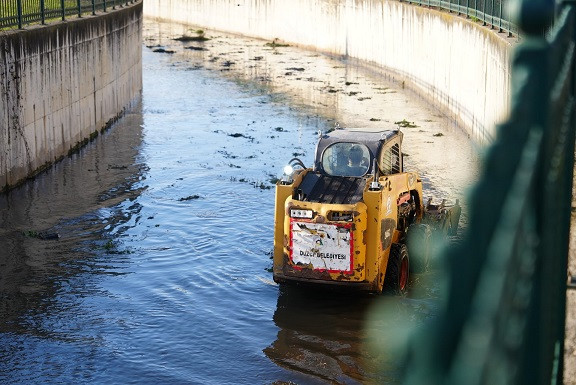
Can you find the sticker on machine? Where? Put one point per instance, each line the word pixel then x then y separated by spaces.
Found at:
pixel 323 246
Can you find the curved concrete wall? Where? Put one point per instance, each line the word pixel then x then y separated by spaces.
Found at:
pixel 61 84
pixel 461 67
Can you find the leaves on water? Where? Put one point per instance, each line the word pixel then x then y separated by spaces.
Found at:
pixel 195 48
pixel 111 247
pixel 256 184
pixel 200 37
pixel 240 135
pixel 44 235
pixel 275 44
pixel 163 50
pixel 189 198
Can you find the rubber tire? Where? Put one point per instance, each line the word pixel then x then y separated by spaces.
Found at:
pixel 420 247
pixel 398 270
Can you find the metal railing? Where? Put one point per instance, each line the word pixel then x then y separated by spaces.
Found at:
pixel 492 13
pixel 19 13
pixel 503 321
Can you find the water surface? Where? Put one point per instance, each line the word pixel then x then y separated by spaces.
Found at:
pixel 161 270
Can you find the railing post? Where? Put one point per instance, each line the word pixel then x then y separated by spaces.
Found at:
pixel 43 11
pixel 492 15
pixel 19 6
pixel 63 9
pixel 93 7
pixel 500 18
pixel 79 8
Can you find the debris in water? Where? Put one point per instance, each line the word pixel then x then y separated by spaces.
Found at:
pixel 406 124
pixel 199 37
pixel 240 135
pixel 163 50
pixel 194 48
pixel 41 235
pixel 189 198
pixel 275 44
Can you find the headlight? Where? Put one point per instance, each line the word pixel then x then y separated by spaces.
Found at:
pixel 287 177
pixel 289 170
pixel 299 213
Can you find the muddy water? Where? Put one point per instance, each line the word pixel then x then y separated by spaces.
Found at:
pixel 145 257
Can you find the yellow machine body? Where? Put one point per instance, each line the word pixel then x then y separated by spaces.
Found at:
pixel 348 244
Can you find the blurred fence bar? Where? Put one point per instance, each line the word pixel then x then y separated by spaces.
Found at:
pixel 503 321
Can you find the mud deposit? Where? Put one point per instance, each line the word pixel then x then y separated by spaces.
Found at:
pixel 145 257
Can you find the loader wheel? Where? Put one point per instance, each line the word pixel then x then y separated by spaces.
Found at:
pixel 398 270
pixel 419 245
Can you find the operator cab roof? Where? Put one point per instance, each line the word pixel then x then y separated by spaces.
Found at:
pixel 335 144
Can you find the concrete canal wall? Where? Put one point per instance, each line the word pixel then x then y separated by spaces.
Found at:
pixel 457 64
pixel 61 84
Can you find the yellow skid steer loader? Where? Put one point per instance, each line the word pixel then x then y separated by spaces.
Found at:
pixel 346 220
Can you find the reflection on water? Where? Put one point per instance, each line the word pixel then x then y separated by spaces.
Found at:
pixel 54 205
pixel 321 333
pixel 159 272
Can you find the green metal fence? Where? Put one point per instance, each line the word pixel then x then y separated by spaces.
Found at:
pixel 492 13
pixel 18 13
pixel 504 317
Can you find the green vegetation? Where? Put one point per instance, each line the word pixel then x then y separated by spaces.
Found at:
pixel 275 44
pixel 200 36
pixel 406 124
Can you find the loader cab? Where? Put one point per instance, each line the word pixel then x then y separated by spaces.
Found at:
pixel 355 153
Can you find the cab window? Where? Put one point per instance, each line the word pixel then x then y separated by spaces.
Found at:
pixel 390 160
pixel 346 159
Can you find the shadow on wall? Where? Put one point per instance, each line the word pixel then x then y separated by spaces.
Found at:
pixel 63 83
